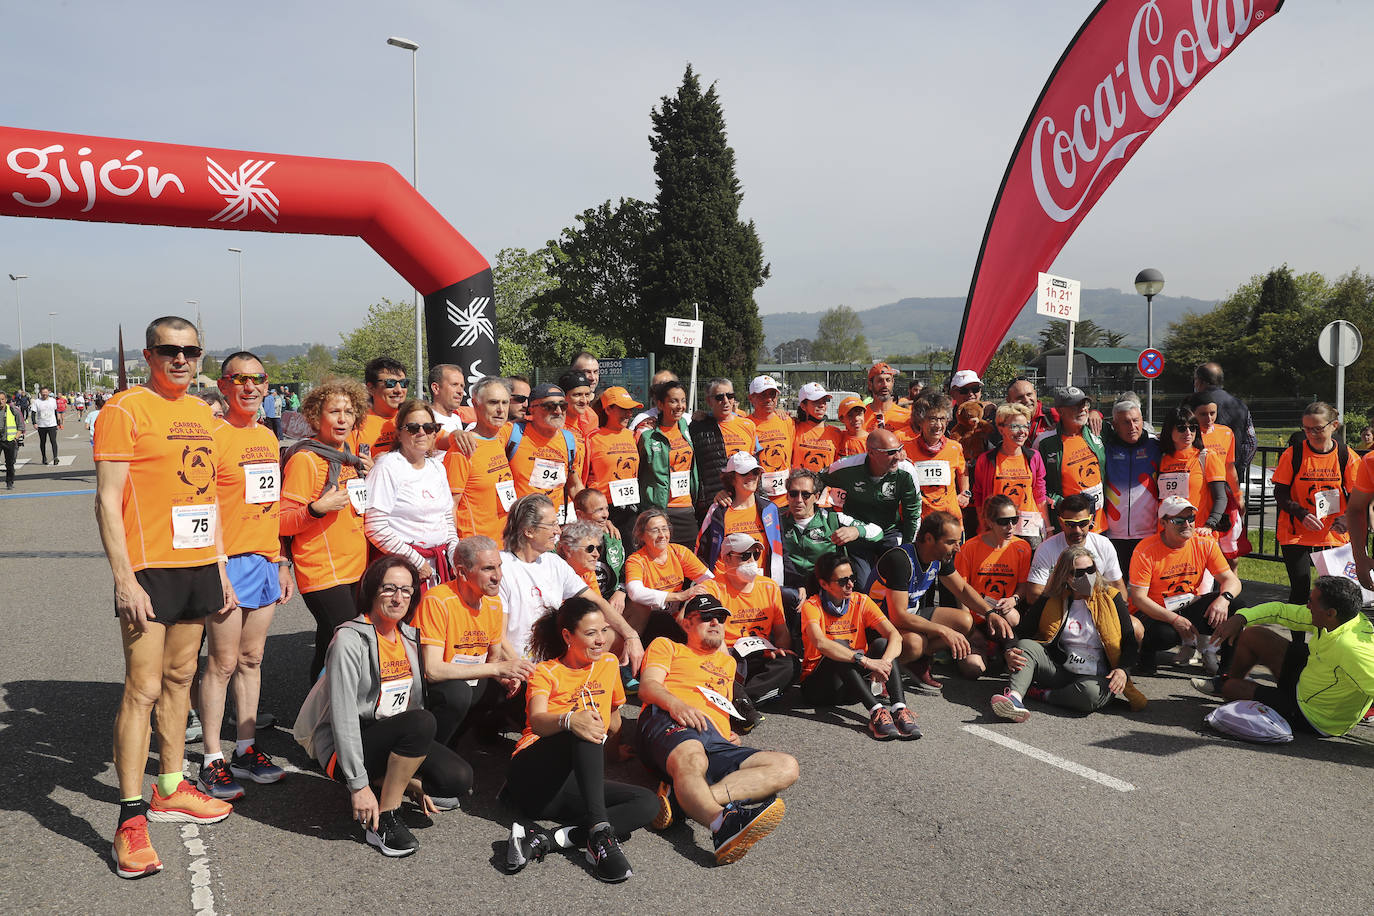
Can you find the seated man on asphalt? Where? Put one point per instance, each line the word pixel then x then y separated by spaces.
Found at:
pixel 877 487
pixel 1076 520
pixel 1324 686
pixel 905 588
pixel 684 732
pixel 809 532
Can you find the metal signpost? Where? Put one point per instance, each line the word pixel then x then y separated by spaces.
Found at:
pixel 687 332
pixel 1057 297
pixel 1340 343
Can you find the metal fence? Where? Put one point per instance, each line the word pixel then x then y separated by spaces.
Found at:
pixel 1261 509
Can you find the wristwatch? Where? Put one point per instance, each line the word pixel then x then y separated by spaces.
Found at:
pixel 1228 596
pixel 858 658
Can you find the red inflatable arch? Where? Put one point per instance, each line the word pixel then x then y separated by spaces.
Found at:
pixel 70 176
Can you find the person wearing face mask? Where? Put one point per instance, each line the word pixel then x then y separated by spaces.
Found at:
pixel 1074 645
pixel 1073 455
pixel 756 633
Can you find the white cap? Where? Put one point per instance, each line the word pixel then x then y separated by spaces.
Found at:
pixel 812 391
pixel 742 463
pixel 965 377
pixel 762 383
pixel 1173 505
pixel 738 542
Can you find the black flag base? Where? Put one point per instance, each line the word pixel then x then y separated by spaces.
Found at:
pixel 460 324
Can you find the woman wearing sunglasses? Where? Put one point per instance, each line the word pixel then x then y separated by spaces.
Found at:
pixel 580 543
pixel 1014 470
pixel 1075 645
pixel 410 510
pixel 815 444
pixel 1195 473
pixel 748 512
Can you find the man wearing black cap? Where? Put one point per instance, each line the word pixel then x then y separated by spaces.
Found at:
pixel 1073 454
pixel 544 456
pixel 684 733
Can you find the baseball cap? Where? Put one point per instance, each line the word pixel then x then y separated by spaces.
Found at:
pixel 1070 397
pixel 703 603
pixel 849 404
pixel 762 383
pixel 742 463
pixel 881 367
pixel 812 391
pixel 1173 505
pixel 738 542
pixel 619 397
pixel 545 391
pixel 965 377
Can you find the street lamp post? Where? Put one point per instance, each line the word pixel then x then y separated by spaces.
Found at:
pixel 239 252
pixel 52 348
pixel 1149 283
pixel 200 330
pixel 23 382
pixel 408 45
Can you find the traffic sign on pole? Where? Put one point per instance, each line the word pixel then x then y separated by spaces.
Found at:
pixel 1340 343
pixel 1150 363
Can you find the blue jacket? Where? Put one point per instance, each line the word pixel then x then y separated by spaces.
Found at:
pixel 713 533
pixel 1129 486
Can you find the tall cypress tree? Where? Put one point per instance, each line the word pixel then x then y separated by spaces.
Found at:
pixel 700 252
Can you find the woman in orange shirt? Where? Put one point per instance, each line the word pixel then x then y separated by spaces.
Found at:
pixel 1215 437
pixel 1198 475
pixel 1015 471
pixel 815 445
pixel 325 524
pixel 558 769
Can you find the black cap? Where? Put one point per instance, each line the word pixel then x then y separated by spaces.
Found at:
pixel 702 603
pixel 545 391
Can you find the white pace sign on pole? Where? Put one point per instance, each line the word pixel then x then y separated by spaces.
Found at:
pixel 1057 297
pixel 683 332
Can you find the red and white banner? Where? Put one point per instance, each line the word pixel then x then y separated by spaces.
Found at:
pixel 1130 64
pixel 70 176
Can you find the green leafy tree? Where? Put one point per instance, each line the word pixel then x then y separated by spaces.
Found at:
pixel 1004 366
pixel 534 326
pixel 388 331
pixel 38 362
pixel 700 253
pixel 310 367
pixel 840 337
pixel 1087 333
pixel 597 266
pixel 794 351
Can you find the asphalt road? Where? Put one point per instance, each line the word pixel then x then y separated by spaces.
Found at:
pixel 1166 818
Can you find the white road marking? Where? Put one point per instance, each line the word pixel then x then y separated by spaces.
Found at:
pixel 1077 769
pixel 202 894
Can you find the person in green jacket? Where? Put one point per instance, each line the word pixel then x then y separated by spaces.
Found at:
pixel 667 469
pixel 877 487
pixel 1325 686
pixel 1075 461
pixel 809 532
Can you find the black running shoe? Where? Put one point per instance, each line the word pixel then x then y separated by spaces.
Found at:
pixel 604 853
pixel 522 848
pixel 744 825
pixel 392 837
pixel 752 717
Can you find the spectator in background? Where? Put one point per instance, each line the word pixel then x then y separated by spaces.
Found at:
pixel 1366 440
pixel 914 388
pixel 1231 412
pixel 271 412
pixel 519 396
pixel 965 385
pixel 446 389
pixel 44 410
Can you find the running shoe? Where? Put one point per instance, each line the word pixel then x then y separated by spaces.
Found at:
pixel 1009 706
pixel 744 825
pixel 752 717
pixel 1184 656
pixel 922 681
pixel 880 725
pixel 133 851
pixel 187 805
pixel 1368 717
pixel 217 782
pixel 194 730
pixel 608 861
pixel 1131 694
pixel 255 765
pixel 392 837
pixel 664 819
pixel 522 849
pixel 1208 685
pixel 1211 660
pixel 905 721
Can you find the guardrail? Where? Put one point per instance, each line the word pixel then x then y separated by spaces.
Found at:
pixel 1261 509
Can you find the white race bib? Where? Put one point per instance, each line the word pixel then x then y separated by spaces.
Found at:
pixel 1095 491
pixel 505 492
pixel 775 483
pixel 261 483
pixel 461 659
pixel 748 645
pixel 357 494
pixel 1326 502
pixel 1174 602
pixel 1174 484
pixel 193 526
pixel 1028 524
pixel 933 473
pixel 720 702
pixel 394 698
pixel 624 492
pixel 547 474
pixel 679 484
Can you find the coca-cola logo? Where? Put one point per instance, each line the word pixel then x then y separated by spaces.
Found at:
pixel 1068 155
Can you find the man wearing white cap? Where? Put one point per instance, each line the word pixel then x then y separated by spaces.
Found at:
pixel 1183 585
pixel 965 385
pixel 715 437
pixel 775 432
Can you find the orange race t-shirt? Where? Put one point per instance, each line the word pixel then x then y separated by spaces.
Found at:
pixel 775 436
pixel 738 435
pixel 465 633
pixel 482 488
pixel 744 521
pixel 1187 473
pixel 1174 577
pixel 1222 440
pixel 860 615
pixel 684 668
pixel 392 660
pixel 994 572
pixel 852 444
pixel 816 446
pixel 1364 477
pixel 373 436
pixel 895 417
pixel 1081 472
pixel 1013 479
pixel 612 455
pixel 679 460
pixel 574 690
pixel 248 478
pixel 169 501
pixel 1318 489
pixel 758 613
pixel 941 474
pixel 326 551
pixel 541 464
pixel 679 563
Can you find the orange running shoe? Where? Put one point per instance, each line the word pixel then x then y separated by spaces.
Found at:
pixel 133 851
pixel 187 805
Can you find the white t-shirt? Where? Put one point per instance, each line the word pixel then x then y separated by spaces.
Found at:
pixel 1047 554
pixel 90 422
pixel 414 500
pixel 531 590
pixel 1081 642
pixel 450 422
pixel 44 411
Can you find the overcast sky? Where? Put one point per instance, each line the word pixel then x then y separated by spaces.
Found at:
pixel 869 141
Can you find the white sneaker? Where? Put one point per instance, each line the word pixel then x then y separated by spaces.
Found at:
pixel 1211 660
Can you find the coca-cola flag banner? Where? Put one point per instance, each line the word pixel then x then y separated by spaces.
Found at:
pixel 69 176
pixel 1130 64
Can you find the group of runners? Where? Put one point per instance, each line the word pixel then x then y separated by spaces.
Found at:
pixel 524 559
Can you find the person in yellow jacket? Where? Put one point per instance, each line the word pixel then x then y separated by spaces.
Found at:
pixel 1074 645
pixel 11 436
pixel 1325 685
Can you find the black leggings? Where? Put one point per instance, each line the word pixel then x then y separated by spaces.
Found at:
pixel 763 679
pixel 1160 635
pixel 685 527
pixel 330 607
pixel 833 683
pixel 1297 559
pixel 47 434
pixel 563 778
pixel 11 450
pixel 411 734
pixel 451 702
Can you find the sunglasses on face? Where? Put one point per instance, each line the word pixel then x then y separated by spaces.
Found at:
pixel 725 396
pixel 414 428
pixel 1080 573
pixel 752 553
pixel 519 398
pixel 711 616
pixel 845 581
pixel 971 389
pixel 1190 427
pixel 1005 522
pixel 171 351
pixel 1183 521
pixel 800 494
pixel 888 451
pixel 1076 524
pixel 553 406
pixel 592 548
pixel 389 383
pixel 246 378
